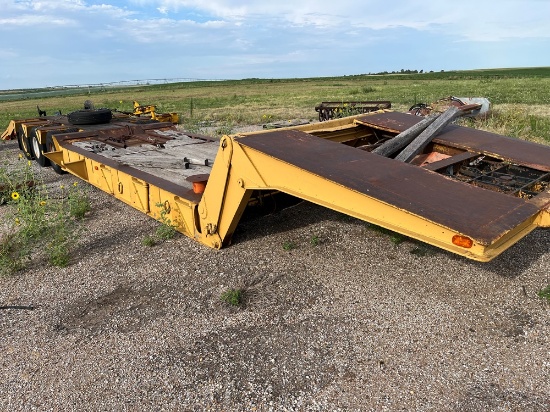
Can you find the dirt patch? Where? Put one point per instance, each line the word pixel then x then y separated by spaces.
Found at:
pixel 281 358
pixel 124 309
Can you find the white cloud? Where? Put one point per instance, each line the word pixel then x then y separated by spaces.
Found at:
pixel 474 20
pixel 111 41
pixel 27 20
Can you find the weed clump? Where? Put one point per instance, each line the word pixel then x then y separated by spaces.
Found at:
pixel 149 241
pixel 315 240
pixel 233 297
pixel 35 223
pixel 167 230
pixel 78 204
pixel 544 293
pixel 288 245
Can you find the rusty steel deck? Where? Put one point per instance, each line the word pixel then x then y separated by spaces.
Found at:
pixel 481 214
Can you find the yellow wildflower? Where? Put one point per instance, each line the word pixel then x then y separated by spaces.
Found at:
pixel 75 184
pixel 20 156
pixel 15 196
pixel 28 162
pixel 17 222
pixel 42 203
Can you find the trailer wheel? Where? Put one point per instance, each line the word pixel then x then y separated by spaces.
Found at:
pixel 38 150
pixel 25 144
pixel 90 116
pixel 18 131
pixel 50 147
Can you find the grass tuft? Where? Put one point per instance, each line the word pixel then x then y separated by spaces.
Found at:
pixel 315 240
pixel 289 245
pixel 167 230
pixel 544 293
pixel 233 297
pixel 149 241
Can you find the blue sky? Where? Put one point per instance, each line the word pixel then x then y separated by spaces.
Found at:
pixel 70 42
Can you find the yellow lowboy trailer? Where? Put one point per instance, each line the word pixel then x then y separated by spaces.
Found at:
pixel 470 192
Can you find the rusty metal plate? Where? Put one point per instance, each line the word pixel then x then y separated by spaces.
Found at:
pixel 506 148
pixel 390 121
pixel 481 214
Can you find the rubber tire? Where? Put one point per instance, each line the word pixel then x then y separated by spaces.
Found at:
pixel 92 116
pixel 50 147
pixel 38 149
pixel 18 132
pixel 25 144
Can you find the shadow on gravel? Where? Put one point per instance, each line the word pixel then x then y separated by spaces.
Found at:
pixel 110 240
pixel 510 264
pixel 521 256
pixel 255 226
pixel 11 145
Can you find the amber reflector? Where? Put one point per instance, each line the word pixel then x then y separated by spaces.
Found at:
pixel 198 187
pixel 463 241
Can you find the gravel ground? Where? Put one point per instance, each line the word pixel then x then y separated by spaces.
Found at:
pixel 354 323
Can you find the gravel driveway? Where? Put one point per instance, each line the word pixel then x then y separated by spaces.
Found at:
pixel 350 321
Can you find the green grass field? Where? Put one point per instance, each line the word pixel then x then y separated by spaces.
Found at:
pixel 520 98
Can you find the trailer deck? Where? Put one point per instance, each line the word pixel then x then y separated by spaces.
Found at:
pixel 177 159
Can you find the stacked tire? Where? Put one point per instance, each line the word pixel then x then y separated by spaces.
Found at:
pixel 90 116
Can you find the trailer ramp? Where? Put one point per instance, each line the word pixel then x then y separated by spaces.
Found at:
pixel 415 201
